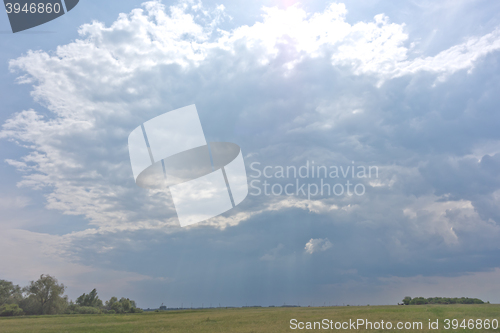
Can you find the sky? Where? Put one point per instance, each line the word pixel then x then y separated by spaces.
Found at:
pixel 408 88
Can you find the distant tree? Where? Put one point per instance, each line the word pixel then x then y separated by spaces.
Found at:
pixel 110 305
pixel 45 296
pixel 91 300
pixel 441 300
pixel 124 305
pixel 125 302
pixel 418 301
pixel 10 293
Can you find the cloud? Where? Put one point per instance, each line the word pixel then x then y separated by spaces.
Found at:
pixel 32 254
pixel 15 202
pixel 272 255
pixel 458 57
pixel 99 87
pixel 317 245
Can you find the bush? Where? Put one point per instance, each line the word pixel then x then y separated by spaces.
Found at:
pixel 136 310
pixel 111 312
pixel 87 310
pixel 8 310
pixel 75 309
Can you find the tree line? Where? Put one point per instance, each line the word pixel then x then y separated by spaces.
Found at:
pixel 46 296
pixel 440 300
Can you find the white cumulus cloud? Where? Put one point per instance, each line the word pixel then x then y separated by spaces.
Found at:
pixel 317 245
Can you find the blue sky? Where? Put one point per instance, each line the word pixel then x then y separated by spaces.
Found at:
pixel 411 88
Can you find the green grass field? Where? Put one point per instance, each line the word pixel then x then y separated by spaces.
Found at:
pixel 253 319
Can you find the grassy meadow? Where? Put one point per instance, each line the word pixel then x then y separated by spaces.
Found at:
pixel 252 319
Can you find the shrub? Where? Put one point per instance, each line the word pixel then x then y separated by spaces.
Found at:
pixel 8 310
pixel 76 309
pixel 87 310
pixel 136 310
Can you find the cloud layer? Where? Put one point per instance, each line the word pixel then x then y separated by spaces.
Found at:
pixel 293 87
